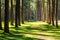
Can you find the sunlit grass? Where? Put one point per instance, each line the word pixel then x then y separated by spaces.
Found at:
pixel 29 30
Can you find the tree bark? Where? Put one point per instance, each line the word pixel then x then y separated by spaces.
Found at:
pixel 22 14
pixel 42 11
pixel 49 12
pixel 0 17
pixel 6 21
pixel 17 13
pixel 53 11
pixel 56 13
pixel 12 15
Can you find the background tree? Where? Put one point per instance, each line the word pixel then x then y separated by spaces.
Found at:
pixel 56 11
pixel 49 12
pixel 53 11
pixel 42 11
pixel 12 15
pixel 38 11
pixel 22 14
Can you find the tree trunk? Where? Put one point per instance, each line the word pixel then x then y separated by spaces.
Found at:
pixel 53 11
pixel 38 14
pixel 56 13
pixel 12 15
pixel 42 11
pixel 22 14
pixel 0 17
pixel 49 13
pixel 17 13
pixel 16 24
pixel 6 21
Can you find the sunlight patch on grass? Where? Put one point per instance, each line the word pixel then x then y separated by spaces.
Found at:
pixel 21 31
pixel 31 29
pixel 24 25
pixel 11 29
pixel 38 24
pixel 34 30
pixel 30 35
pixel 43 33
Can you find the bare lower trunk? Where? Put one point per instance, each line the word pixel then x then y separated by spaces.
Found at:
pixel 0 17
pixel 6 21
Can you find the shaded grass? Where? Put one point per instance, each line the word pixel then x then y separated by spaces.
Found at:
pixel 15 36
pixel 31 28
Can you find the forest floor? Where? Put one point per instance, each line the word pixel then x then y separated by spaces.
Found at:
pixel 32 31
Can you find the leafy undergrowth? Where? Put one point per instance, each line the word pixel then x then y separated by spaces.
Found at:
pixel 32 31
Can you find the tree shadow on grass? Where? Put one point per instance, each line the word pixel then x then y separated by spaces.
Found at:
pixel 11 36
pixel 44 28
pixel 29 28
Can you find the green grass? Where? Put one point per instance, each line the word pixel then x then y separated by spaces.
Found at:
pixel 30 31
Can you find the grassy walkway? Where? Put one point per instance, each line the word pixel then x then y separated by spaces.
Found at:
pixel 32 31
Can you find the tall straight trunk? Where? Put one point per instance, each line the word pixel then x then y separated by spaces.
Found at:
pixel 56 13
pixel 49 13
pixel 28 11
pixel 53 11
pixel 17 13
pixel 6 21
pixel 38 14
pixel 26 14
pixel 22 14
pixel 42 10
pixel 36 11
pixel 29 14
pixel 12 15
pixel 46 11
pixel 0 17
pixel 16 24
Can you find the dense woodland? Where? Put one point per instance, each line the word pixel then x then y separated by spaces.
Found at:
pixel 15 13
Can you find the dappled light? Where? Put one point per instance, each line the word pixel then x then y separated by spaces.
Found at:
pixel 32 32
pixel 29 19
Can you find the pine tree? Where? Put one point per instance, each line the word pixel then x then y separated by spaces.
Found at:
pixel 0 17
pixel 6 21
